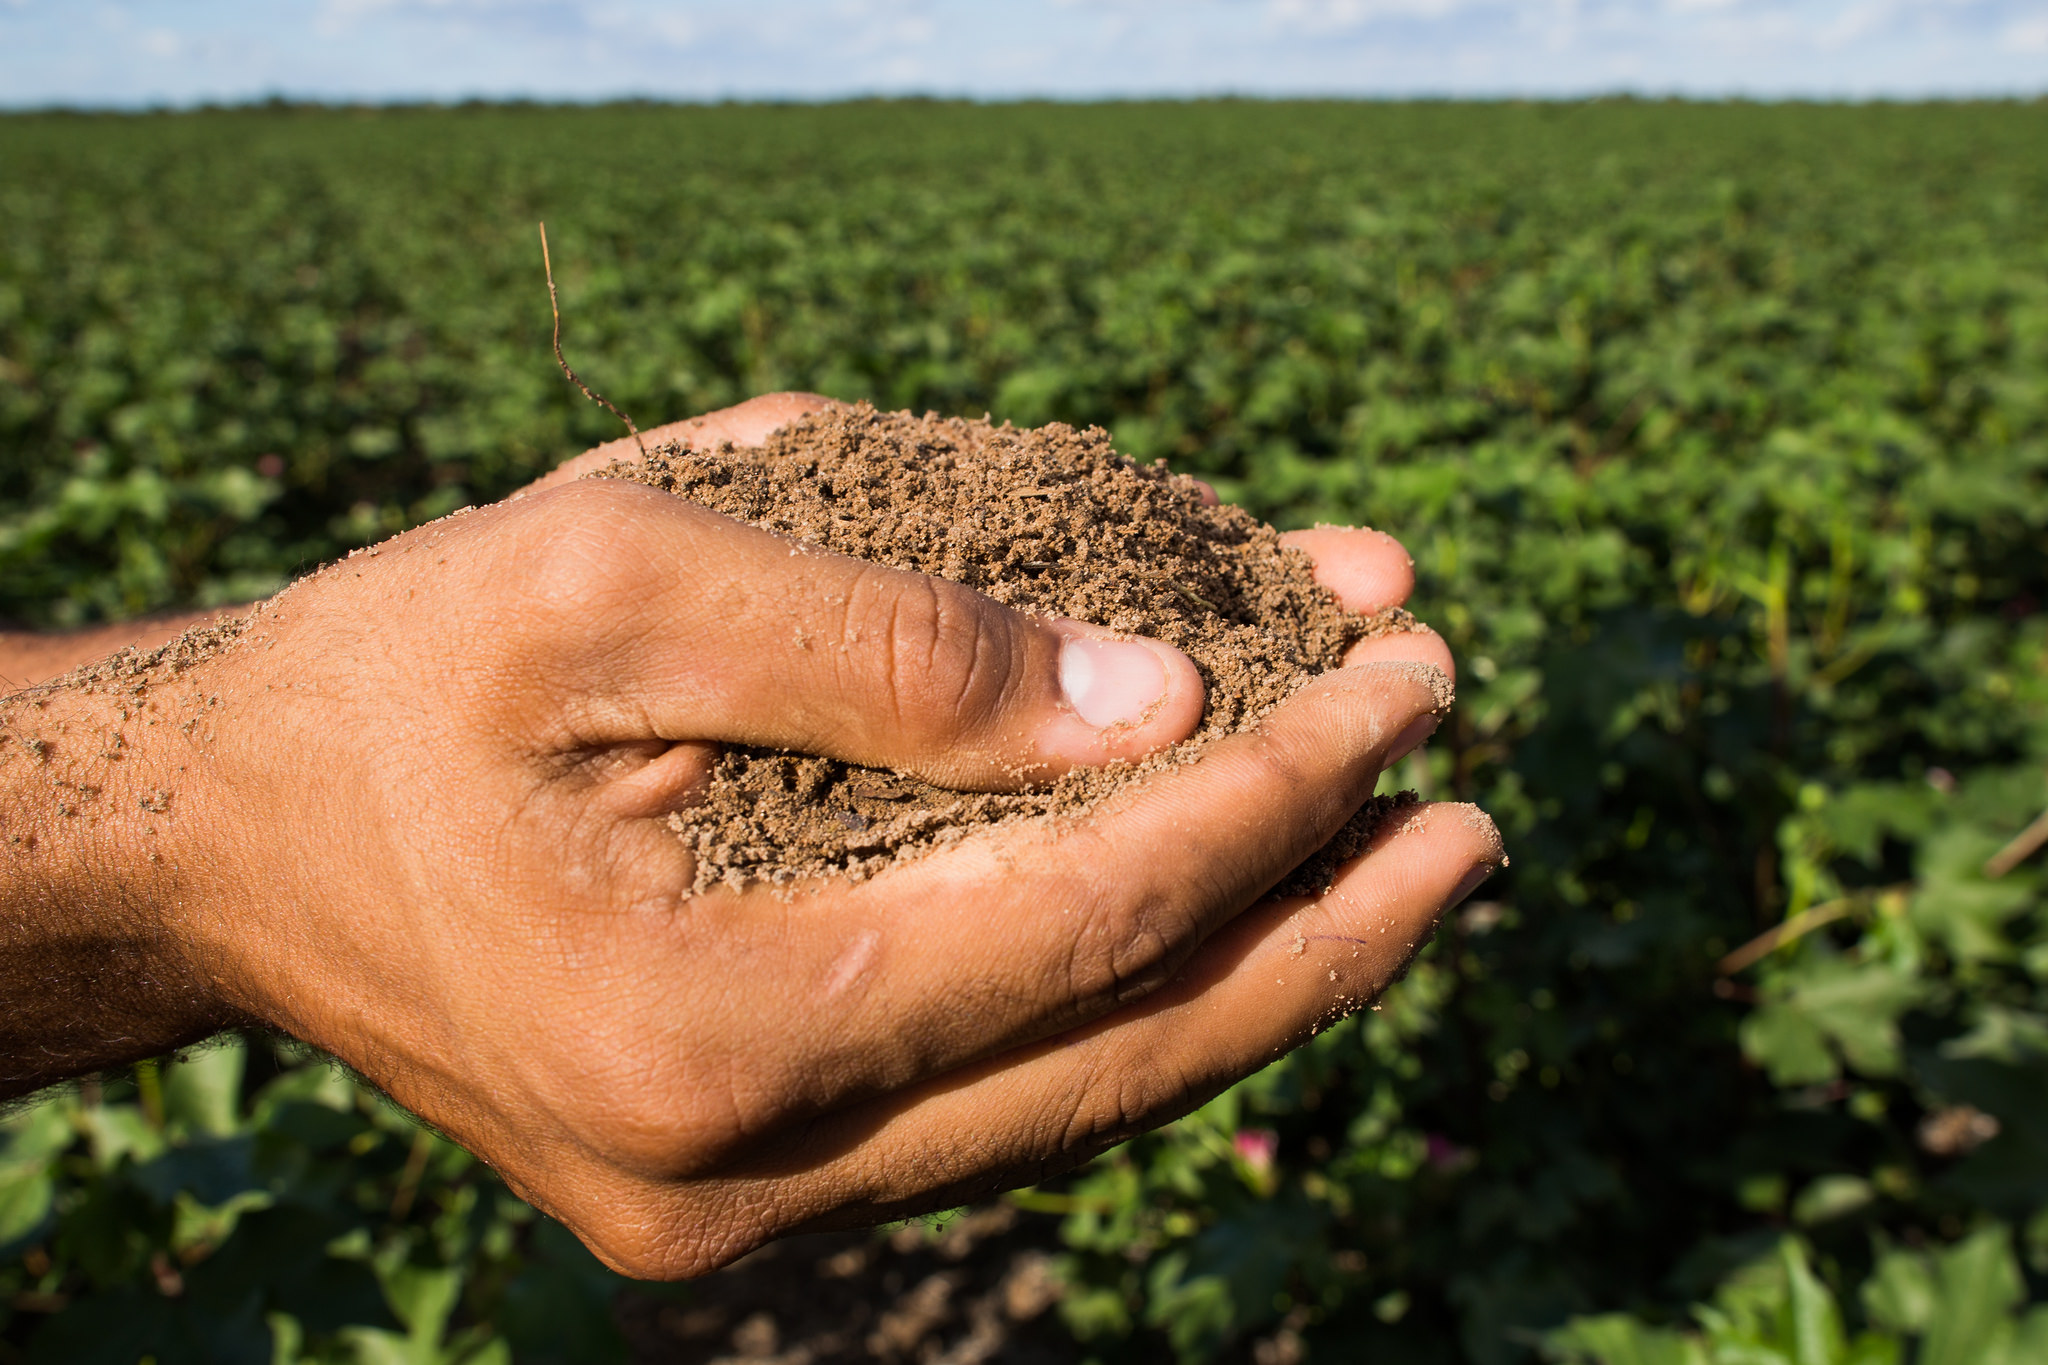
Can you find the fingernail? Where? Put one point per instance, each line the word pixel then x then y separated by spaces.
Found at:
pixel 1110 682
pixel 1417 730
pixel 1468 886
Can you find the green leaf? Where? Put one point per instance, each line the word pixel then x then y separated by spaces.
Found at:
pixel 559 1308
pixel 202 1088
pixel 1979 1283
pixel 1618 1339
pixel 38 1131
pixel 2001 1033
pixel 1815 1322
pixel 26 1192
pixel 1873 1349
pixel 120 1130
pixel 1788 1045
pixel 1956 905
pixel 423 1297
pixel 1196 1311
pixel 2028 1344
pixel 1900 1294
pixel 212 1171
pixel 1830 1197
pixel 1823 1000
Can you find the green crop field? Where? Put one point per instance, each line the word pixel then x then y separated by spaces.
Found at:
pixel 1719 436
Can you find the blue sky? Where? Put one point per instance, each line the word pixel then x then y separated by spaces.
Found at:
pixel 138 52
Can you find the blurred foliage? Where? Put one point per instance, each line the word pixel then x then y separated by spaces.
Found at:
pixel 249 1203
pixel 1718 434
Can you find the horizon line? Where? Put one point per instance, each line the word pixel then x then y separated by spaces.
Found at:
pixel 279 100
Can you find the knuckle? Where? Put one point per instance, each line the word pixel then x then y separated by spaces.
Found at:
pixel 1115 1103
pixel 1134 1099
pixel 628 1116
pixel 628 1249
pixel 1276 765
pixel 1127 946
pixel 943 653
pixel 1323 790
pixel 649 1117
pixel 581 547
pixel 669 1237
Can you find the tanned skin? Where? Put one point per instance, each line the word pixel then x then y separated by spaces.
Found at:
pixel 414 814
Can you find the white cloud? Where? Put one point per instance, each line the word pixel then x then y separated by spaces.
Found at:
pixel 2025 35
pixel 1342 14
pixel 587 49
pixel 357 9
pixel 674 29
pixel 1674 36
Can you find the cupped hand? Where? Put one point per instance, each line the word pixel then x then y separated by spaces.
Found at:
pixel 420 821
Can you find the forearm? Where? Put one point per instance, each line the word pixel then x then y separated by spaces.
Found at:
pixel 90 975
pixel 29 657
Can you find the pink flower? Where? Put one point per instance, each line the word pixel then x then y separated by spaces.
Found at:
pixel 1445 1155
pixel 1257 1147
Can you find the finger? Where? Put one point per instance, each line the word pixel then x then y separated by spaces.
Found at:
pixel 1370 571
pixel 744 424
pixel 1020 932
pixel 1367 570
pixel 1261 986
pixel 1099 916
pixel 688 625
pixel 1007 936
pixel 1420 646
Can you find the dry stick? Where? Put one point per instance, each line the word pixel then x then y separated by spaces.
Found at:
pixel 409 1179
pixel 2020 849
pixel 554 306
pixel 1805 922
pixel 1800 925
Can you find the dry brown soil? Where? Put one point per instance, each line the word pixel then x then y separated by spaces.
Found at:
pixel 1050 520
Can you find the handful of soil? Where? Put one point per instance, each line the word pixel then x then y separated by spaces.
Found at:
pixel 1050 520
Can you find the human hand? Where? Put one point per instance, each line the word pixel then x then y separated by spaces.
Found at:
pixel 417 818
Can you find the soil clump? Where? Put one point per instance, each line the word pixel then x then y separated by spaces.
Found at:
pixel 1050 520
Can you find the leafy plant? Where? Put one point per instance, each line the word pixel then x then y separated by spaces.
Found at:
pixel 1718 435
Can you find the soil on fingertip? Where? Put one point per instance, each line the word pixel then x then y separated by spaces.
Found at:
pixel 1049 520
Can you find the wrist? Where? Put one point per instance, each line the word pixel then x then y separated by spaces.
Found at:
pixel 94 969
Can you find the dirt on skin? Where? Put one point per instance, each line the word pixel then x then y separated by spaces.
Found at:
pixel 1048 520
pixel 125 680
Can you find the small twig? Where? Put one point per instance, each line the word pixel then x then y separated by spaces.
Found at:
pixel 409 1179
pixel 1035 1200
pixel 1801 924
pixel 1187 594
pixel 2020 849
pixel 555 307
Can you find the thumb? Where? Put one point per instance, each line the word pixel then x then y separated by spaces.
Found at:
pixel 748 638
